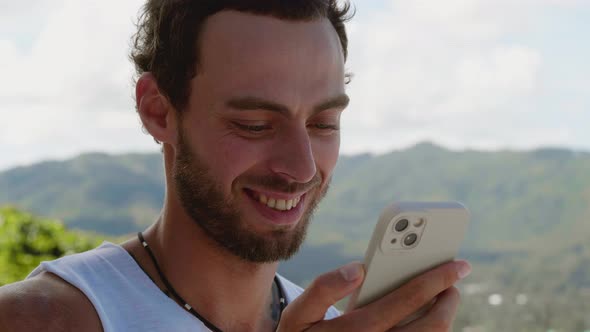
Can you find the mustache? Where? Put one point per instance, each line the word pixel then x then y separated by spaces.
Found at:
pixel 279 184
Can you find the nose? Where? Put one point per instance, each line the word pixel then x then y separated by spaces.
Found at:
pixel 293 156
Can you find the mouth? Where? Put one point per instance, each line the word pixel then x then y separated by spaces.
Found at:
pixel 275 202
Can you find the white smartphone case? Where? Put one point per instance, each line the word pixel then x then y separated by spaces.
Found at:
pixel 390 262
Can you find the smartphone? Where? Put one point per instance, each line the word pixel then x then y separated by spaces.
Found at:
pixel 410 238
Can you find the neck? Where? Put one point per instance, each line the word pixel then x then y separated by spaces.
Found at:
pixel 210 278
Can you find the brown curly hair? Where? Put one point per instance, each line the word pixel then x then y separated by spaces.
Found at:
pixel 167 37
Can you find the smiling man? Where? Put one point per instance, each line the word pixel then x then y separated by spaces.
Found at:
pixel 246 99
pixel 254 148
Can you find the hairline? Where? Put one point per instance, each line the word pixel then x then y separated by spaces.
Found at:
pixel 198 46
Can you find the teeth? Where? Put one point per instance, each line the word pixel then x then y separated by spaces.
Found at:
pixel 279 204
pixel 271 203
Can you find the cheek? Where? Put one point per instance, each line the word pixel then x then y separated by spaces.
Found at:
pixel 326 155
pixel 233 157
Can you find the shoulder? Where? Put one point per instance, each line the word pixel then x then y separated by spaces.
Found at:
pixel 46 303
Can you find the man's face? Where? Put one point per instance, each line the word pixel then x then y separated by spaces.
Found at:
pixel 259 139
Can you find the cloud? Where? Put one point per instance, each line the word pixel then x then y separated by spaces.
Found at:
pixel 69 89
pixel 455 72
pixel 567 3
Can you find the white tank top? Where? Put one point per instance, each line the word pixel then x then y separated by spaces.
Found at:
pixel 125 298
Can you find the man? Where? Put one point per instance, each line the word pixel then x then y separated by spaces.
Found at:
pixel 246 98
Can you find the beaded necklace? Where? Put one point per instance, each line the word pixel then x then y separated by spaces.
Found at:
pixel 185 305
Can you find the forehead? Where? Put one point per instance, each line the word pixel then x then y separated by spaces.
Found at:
pixel 270 57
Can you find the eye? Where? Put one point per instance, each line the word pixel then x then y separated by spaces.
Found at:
pixel 323 129
pixel 253 129
pixel 326 123
pixel 325 126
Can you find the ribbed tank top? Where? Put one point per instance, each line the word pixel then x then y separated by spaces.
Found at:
pixel 125 298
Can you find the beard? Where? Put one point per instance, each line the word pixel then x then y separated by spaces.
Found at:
pixel 219 217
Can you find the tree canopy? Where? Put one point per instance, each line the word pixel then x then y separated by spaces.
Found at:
pixel 27 240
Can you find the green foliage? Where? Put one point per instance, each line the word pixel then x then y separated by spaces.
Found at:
pixel 26 241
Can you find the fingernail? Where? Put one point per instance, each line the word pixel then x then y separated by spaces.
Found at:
pixel 351 271
pixel 463 269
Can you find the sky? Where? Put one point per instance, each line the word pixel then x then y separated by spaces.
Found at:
pixel 465 74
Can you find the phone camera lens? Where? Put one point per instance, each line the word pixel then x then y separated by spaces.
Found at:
pixel 401 225
pixel 410 239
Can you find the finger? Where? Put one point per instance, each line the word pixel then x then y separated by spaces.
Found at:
pixel 401 303
pixel 440 317
pixel 311 306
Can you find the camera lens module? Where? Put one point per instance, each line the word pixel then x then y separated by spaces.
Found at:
pixel 401 225
pixel 410 239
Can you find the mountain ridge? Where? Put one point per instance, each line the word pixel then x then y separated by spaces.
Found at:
pixel 544 190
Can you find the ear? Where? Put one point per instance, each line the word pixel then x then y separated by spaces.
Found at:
pixel 157 114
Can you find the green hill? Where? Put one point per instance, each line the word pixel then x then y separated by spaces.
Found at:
pixel 529 232
pixel 522 203
pixel 517 199
pixel 109 194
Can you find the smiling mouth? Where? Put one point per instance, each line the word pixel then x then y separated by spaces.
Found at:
pixel 273 202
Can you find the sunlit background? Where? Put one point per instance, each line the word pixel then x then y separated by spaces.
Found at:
pixel 462 73
pixel 500 89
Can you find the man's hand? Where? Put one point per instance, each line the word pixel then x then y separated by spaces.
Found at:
pixel 307 312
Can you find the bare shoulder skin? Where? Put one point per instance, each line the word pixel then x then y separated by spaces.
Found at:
pixel 46 303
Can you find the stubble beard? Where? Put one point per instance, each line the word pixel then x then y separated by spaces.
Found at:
pixel 218 216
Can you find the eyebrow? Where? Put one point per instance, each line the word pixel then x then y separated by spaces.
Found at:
pixel 255 103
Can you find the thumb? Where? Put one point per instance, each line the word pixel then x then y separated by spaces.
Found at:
pixel 327 289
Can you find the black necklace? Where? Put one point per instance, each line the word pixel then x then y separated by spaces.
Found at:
pixel 169 288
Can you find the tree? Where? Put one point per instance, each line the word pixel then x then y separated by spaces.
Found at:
pixel 27 240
